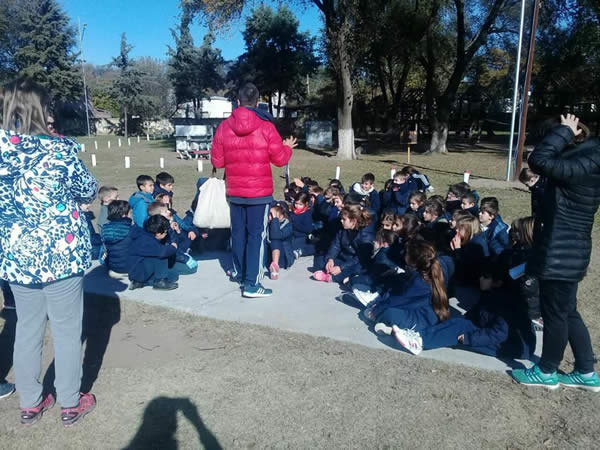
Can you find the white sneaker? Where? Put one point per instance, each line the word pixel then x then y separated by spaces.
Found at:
pixel 117 275
pixel 409 339
pixel 382 328
pixel 365 297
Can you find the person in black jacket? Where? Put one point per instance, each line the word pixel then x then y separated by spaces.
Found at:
pixel 562 245
pixel 115 237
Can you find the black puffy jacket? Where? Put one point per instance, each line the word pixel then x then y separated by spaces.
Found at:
pixel 562 233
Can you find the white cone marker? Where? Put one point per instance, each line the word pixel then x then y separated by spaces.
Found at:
pixel 162 163
pixel 129 142
pixel 466 176
pixel 119 142
pixel 337 172
pixel 83 148
pixel 96 145
pixel 200 168
pixel 108 144
pixel 93 160
pixel 127 162
pixel 392 172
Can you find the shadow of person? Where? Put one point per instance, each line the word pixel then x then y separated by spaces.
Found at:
pixel 7 342
pixel 100 314
pixel 160 425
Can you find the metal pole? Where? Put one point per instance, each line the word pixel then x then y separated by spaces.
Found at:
pixel 516 94
pixel 85 97
pixel 523 126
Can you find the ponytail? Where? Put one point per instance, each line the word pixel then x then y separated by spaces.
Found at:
pixel 358 213
pixel 422 255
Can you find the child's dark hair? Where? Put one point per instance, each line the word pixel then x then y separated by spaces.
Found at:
pixel 385 237
pixel 302 197
pixel 248 95
pixel 315 190
pixel 434 207
pixel 458 189
pixel 387 217
pixel 388 184
pixel 410 227
pixel 521 231
pixel 157 224
pixel 526 175
pixel 354 198
pixel 368 177
pixel 143 179
pixel 280 209
pixel 469 197
pixel 438 198
pixel 490 206
pixel 165 178
pixel 358 213
pixel 459 214
pixel 419 197
pixel 118 209
pixel 332 191
pixel 155 208
pixel 336 183
pixel 422 256
pixel 161 196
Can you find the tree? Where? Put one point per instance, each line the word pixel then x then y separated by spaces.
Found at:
pixel 472 26
pixel 194 71
pixel 278 57
pixel 39 42
pixel 343 45
pixel 127 88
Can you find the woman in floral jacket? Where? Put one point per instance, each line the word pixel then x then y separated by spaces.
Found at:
pixel 44 248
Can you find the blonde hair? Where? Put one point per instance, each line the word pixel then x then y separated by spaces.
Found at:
pixel 469 226
pixel 25 107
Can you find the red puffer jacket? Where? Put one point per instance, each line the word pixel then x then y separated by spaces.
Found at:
pixel 245 146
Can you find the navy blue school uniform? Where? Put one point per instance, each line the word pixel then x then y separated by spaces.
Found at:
pixel 380 269
pixel 497 237
pixel 537 196
pixel 471 259
pixel 280 236
pixel 473 210
pixel 418 213
pixel 115 236
pixel 302 225
pixel 452 205
pixel 158 190
pixel 398 200
pixel 409 302
pixel 149 257
pixel 373 195
pixel 95 238
pixel 438 233
pixel 351 250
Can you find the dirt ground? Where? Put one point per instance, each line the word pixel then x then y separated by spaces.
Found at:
pixel 171 380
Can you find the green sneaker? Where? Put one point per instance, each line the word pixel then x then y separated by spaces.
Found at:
pixel 575 379
pixel 256 291
pixel 535 377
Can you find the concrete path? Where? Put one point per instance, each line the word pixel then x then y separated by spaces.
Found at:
pixel 299 304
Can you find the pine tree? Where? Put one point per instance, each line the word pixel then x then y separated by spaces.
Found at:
pixel 127 89
pixel 44 44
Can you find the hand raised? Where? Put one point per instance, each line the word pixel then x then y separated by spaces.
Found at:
pixel 290 142
pixel 571 121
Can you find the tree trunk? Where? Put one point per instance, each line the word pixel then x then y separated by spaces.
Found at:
pixel 439 128
pixel 125 114
pixel 278 103
pixel 344 108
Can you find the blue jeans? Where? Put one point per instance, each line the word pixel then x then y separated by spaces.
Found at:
pixel 248 233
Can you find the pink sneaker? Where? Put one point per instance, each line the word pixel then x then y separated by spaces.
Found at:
pixel 29 416
pixel 274 271
pixel 319 275
pixel 70 416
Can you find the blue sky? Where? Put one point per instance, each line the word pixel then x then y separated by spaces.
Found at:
pixel 147 25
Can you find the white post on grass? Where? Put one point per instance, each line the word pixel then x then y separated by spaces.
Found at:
pixel 83 148
pixel 147 137
pixel 129 142
pixel 392 172
pixel 466 176
pixel 127 162
pixel 200 167
pixel 138 139
pixel 162 163
pixel 96 145
pixel 337 172
pixel 93 160
pixel 119 142
pixel 108 144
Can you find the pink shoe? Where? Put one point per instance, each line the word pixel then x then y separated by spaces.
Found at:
pixel 70 416
pixel 319 275
pixel 29 416
pixel 274 271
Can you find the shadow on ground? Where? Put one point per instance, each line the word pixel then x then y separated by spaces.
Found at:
pixel 159 426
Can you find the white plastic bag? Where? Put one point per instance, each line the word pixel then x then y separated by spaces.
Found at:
pixel 212 210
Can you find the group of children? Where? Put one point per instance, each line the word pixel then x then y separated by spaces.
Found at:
pixel 399 252
pixel 402 254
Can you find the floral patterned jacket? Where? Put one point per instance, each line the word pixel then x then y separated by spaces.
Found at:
pixel 43 235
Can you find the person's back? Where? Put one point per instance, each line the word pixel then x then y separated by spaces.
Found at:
pixel 116 238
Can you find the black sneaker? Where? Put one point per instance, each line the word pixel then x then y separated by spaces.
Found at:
pixel 136 285
pixel 165 285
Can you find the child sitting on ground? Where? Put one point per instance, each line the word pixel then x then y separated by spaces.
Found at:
pixel 397 196
pixel 351 249
pixel 140 200
pixel 149 256
pixel 454 197
pixel 302 222
pixel 115 236
pixel 366 188
pixel 469 203
pixel 494 228
pixel 416 203
pixel 164 184
pixel 280 240
pixel 106 194
pixel 421 180
pixel 537 186
pixel 470 251
pixel 388 218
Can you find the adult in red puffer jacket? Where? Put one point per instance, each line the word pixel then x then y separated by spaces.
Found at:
pixel 246 144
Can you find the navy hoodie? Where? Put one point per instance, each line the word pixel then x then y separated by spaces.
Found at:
pixel 145 245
